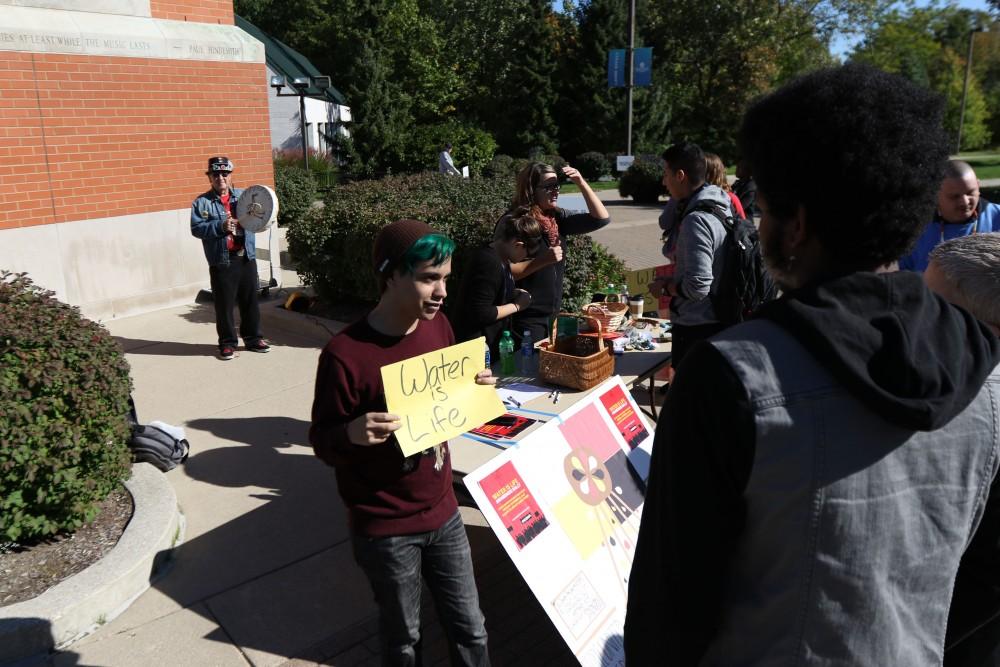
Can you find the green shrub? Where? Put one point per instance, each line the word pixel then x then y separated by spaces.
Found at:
pixel 643 181
pixel 500 167
pixel 505 167
pixel 322 168
pixel 469 146
pixel 64 388
pixel 556 162
pixel 296 191
pixel 589 268
pixel 593 165
pixel 333 248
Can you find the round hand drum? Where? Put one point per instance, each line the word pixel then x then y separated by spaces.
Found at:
pixel 257 208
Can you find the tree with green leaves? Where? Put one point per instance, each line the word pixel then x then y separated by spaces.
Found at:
pixel 520 109
pixel 926 46
pixel 591 116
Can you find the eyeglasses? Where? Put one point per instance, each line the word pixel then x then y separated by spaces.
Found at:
pixel 551 187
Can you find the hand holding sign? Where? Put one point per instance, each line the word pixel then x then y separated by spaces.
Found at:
pixel 440 394
pixel 486 377
pixel 372 428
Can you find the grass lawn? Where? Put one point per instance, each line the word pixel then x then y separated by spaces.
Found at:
pixel 602 185
pixel 986 163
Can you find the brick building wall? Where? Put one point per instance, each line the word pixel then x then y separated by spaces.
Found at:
pixel 102 149
pixel 205 11
pixel 89 137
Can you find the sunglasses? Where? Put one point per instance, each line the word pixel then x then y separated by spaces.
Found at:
pixel 219 173
pixel 551 187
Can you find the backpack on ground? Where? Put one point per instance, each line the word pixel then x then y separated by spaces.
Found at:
pixel 150 444
pixel 743 282
pixel 161 444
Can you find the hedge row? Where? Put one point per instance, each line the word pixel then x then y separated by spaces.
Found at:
pixel 332 246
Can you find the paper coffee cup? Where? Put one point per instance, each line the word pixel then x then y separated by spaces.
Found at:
pixel 635 307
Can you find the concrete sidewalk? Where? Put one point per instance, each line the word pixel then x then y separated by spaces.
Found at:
pixel 265 575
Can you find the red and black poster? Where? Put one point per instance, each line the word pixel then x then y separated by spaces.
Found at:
pixel 514 504
pixel 504 426
pixel 624 416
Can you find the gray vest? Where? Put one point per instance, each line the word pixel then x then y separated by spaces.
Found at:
pixel 854 526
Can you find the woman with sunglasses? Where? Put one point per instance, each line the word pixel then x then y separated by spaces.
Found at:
pixel 538 190
pixel 488 298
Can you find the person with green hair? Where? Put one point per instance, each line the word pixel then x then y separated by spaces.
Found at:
pixel 402 510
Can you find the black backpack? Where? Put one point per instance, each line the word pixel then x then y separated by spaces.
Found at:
pixel 150 444
pixel 743 283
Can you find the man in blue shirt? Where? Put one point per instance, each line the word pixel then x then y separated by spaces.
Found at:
pixel 960 212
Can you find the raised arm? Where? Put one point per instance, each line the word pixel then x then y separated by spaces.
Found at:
pixel 594 205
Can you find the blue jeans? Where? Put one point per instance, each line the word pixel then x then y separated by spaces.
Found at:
pixel 394 565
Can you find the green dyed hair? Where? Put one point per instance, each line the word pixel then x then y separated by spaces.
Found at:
pixel 434 247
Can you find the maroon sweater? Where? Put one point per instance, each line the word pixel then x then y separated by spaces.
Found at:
pixel 385 493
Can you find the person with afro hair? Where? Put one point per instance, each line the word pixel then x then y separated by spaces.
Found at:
pixel 823 485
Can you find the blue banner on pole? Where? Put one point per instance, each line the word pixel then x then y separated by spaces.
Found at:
pixel 642 60
pixel 616 68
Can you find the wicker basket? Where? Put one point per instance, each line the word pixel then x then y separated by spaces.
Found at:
pixel 579 362
pixel 610 314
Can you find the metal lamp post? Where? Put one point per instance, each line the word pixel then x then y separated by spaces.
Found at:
pixel 965 89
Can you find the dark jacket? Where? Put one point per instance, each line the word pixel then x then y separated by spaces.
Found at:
pixel 823 477
pixel 486 284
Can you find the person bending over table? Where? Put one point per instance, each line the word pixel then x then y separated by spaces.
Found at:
pixel 538 189
pixel 488 298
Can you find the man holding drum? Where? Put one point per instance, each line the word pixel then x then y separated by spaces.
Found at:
pixel 232 265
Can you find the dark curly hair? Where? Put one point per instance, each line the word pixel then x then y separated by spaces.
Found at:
pixel 860 150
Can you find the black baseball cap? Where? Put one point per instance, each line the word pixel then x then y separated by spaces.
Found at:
pixel 219 163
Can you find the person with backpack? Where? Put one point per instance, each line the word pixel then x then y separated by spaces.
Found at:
pixel 697 251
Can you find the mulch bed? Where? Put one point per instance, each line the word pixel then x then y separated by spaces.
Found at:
pixel 28 571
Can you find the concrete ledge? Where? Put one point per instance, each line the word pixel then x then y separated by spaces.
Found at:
pixel 77 606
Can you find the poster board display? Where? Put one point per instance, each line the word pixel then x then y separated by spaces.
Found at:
pixel 565 503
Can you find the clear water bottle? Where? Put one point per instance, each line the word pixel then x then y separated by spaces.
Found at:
pixel 507 363
pixel 527 354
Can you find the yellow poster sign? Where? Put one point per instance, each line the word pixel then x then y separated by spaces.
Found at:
pixel 638 285
pixel 638 282
pixel 436 395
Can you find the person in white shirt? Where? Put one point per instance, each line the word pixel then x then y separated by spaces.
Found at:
pixel 445 165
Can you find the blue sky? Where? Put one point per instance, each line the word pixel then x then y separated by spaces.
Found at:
pixel 841 47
